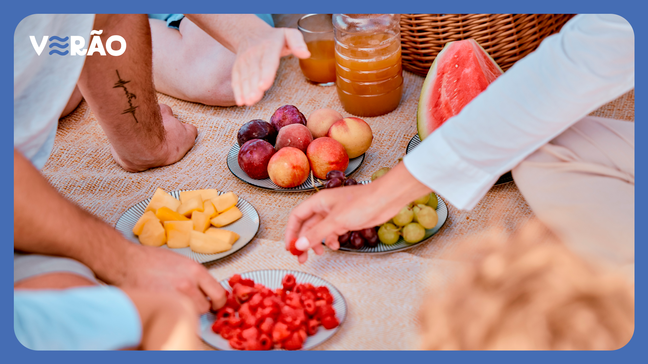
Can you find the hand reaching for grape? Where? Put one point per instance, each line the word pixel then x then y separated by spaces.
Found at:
pixel 333 212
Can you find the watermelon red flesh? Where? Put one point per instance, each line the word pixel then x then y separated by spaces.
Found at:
pixel 460 72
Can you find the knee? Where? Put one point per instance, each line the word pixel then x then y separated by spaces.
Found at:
pixel 58 280
pixel 216 89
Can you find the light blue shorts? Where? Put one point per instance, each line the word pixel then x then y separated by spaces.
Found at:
pixel 86 318
pixel 173 20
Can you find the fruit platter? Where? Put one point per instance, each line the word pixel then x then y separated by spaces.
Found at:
pixel 283 154
pixel 274 309
pixel 204 225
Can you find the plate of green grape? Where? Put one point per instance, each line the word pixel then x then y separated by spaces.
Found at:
pixel 415 224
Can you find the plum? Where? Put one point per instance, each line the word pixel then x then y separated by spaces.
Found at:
pixel 286 115
pixel 254 156
pixel 257 129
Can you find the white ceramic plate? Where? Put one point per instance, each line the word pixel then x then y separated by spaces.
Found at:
pixel 415 141
pixel 233 165
pixel 247 227
pixel 442 212
pixel 272 279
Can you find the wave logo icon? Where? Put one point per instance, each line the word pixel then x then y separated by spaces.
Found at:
pixel 53 44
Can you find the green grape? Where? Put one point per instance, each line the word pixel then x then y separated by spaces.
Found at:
pixel 404 217
pixel 434 201
pixel 426 216
pixel 413 232
pixel 388 233
pixel 379 173
pixel 422 200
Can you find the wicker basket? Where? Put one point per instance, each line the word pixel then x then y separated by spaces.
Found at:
pixel 506 37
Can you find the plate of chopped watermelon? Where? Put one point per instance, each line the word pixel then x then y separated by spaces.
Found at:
pixel 274 310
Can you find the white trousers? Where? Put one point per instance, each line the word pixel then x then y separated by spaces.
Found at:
pixel 581 185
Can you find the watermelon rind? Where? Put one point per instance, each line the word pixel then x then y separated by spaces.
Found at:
pixel 426 89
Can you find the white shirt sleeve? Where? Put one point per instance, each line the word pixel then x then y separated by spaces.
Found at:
pixel 590 62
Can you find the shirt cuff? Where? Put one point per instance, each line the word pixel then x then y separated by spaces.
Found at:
pixel 435 164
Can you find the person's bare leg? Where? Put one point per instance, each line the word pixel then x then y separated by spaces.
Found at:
pixel 73 102
pixel 58 280
pixel 190 65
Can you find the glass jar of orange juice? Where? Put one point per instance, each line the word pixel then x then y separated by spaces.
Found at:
pixel 368 65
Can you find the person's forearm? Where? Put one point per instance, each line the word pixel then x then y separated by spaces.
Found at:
pixel 120 91
pixel 397 188
pixel 46 223
pixel 230 30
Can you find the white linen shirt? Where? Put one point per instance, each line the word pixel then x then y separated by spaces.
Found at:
pixel 572 73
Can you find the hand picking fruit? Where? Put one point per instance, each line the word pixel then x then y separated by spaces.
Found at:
pixel 258 318
pixel 188 222
pixel 332 212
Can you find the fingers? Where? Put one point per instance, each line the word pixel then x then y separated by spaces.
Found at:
pixel 295 43
pixel 213 290
pixel 323 229
pixel 269 66
pixel 302 213
pixel 332 242
pixel 236 85
pixel 196 296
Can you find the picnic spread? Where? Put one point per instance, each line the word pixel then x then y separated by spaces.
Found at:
pixel 383 292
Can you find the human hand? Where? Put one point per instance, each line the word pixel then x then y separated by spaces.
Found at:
pixel 179 138
pixel 333 212
pixel 156 269
pixel 257 61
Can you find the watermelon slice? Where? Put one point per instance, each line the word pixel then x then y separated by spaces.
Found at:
pixel 459 73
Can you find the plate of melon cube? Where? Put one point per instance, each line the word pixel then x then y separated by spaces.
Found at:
pixel 204 225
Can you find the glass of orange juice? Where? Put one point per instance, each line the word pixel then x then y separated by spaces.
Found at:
pixel 317 30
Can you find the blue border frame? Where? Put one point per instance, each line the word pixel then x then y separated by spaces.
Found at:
pixel 14 352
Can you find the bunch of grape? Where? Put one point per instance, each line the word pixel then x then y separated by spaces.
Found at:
pixel 411 221
pixel 338 179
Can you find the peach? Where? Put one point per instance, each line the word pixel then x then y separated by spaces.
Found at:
pixel 325 155
pixel 294 135
pixel 354 134
pixel 288 167
pixel 320 121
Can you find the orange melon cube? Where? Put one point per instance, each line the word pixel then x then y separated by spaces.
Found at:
pixel 153 234
pixel 209 209
pixel 206 244
pixel 162 198
pixel 227 217
pixel 139 225
pixel 227 236
pixel 178 233
pixel 206 194
pixel 166 214
pixel 225 201
pixel 200 221
pixel 193 204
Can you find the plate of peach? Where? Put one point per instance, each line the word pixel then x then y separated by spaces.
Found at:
pixel 290 152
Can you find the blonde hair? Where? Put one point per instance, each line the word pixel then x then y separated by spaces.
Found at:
pixel 528 292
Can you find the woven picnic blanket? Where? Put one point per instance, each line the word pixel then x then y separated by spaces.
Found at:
pixel 383 292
